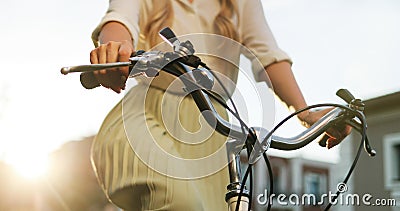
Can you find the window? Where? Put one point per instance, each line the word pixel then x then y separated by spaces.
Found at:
pixel 315 184
pixel 391 160
pixel 397 158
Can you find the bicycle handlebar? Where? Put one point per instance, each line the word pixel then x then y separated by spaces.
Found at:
pixel 178 63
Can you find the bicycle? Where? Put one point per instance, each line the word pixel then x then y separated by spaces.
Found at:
pixel 198 80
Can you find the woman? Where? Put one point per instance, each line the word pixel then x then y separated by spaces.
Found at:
pixel 129 163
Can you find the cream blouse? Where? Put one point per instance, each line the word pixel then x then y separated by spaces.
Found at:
pixel 256 41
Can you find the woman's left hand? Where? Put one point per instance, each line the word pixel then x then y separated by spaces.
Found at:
pixel 336 134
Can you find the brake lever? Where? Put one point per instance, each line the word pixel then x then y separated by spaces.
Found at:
pixel 357 106
pixel 358 127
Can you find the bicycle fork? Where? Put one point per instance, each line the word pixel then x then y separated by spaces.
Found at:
pixel 235 177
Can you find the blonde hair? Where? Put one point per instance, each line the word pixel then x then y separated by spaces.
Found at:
pixel 223 23
pixel 162 16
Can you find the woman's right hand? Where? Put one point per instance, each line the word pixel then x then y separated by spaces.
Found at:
pixel 112 51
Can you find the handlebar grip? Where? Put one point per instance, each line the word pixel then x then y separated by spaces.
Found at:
pixel 88 80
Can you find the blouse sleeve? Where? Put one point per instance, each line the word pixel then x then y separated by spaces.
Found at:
pixel 122 11
pixel 256 35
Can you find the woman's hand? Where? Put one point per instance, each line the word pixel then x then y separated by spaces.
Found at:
pixel 336 135
pixel 111 51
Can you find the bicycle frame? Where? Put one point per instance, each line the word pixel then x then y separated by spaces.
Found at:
pixel 183 62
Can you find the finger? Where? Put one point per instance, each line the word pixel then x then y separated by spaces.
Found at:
pixel 110 78
pixel 102 56
pixel 335 137
pixel 93 57
pixel 96 57
pixel 333 132
pixel 347 130
pixel 115 79
pixel 94 60
pixel 104 76
pixel 119 51
pixel 114 75
pixel 338 136
pixel 124 53
pixel 332 142
pixel 112 52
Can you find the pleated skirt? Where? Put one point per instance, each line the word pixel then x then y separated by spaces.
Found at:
pixel 154 151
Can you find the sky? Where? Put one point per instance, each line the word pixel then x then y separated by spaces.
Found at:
pixel 334 44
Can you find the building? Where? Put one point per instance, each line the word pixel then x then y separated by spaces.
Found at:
pixel 377 179
pixel 380 176
pixel 299 183
pixel 375 182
